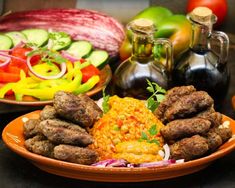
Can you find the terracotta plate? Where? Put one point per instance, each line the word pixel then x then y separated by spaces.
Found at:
pixel 105 77
pixel 13 137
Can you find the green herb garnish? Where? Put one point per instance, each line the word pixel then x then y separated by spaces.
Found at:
pixel 153 132
pixel 47 55
pixel 158 94
pixel 105 104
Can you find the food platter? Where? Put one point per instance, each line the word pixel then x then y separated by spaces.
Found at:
pixel 13 137
pixel 105 77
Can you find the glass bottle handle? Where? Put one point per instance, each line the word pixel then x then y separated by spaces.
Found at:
pixel 224 44
pixel 169 51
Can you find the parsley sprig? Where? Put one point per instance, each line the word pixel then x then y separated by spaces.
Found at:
pixel 158 94
pixel 153 131
pixel 47 55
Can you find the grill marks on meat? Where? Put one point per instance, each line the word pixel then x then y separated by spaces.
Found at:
pixel 189 148
pixel 189 105
pixel 75 154
pixel 185 128
pixel 78 109
pixel 172 96
pixel 61 132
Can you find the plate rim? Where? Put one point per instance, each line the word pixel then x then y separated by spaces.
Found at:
pixel 93 91
pixel 38 159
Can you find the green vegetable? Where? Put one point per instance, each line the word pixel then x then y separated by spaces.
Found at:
pixel 153 132
pixel 98 58
pixel 5 42
pixel 158 94
pixel 16 37
pixel 59 40
pixel 48 56
pixel 80 49
pixel 105 104
pixel 37 37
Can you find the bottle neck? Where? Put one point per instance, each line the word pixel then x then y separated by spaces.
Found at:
pixel 142 45
pixel 200 37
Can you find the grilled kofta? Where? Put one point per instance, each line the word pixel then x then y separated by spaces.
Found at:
pixel 31 128
pixel 189 105
pixel 40 145
pixel 172 96
pixel 182 128
pixel 189 148
pixel 75 154
pixel 48 112
pixel 78 109
pixel 210 114
pixel 61 132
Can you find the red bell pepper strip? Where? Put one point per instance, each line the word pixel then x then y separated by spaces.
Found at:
pixel 88 72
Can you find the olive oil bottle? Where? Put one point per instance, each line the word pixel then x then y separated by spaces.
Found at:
pixel 130 77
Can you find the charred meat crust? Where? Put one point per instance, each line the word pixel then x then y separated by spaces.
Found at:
pixel 74 154
pixel 78 109
pixel 48 112
pixel 189 105
pixel 210 114
pixel 60 132
pixel 172 96
pixel 189 148
pixel 31 128
pixel 40 145
pixel 185 128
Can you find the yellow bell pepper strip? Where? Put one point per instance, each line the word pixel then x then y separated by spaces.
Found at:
pixel 5 89
pixel 47 93
pixel 87 85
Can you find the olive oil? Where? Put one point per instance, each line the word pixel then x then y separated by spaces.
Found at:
pixel 130 77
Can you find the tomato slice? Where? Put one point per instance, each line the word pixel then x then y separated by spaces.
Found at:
pixel 88 72
pixel 6 77
pixel 20 53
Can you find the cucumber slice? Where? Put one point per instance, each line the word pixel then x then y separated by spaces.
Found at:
pixel 5 42
pixel 99 58
pixel 60 40
pixel 80 49
pixel 36 36
pixel 16 37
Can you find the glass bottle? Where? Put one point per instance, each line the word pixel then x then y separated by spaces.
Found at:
pixel 204 65
pixel 130 77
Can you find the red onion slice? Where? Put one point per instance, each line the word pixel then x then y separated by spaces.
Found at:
pixel 69 56
pixel 11 56
pixel 158 163
pixel 6 61
pixel 59 75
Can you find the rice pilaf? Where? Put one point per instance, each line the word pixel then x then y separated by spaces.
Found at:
pixel 129 131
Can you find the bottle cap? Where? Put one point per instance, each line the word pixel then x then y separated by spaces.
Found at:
pixel 202 14
pixel 143 25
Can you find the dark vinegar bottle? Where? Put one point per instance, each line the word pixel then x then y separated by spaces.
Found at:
pixel 130 77
pixel 200 65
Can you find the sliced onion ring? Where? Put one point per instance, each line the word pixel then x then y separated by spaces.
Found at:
pixel 59 75
pixel 69 56
pixel 6 60
pixel 11 56
pixel 166 151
